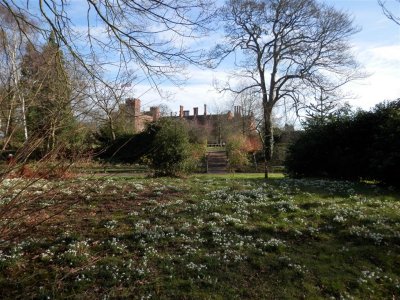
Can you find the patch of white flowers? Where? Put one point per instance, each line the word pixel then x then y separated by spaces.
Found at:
pixel 364 232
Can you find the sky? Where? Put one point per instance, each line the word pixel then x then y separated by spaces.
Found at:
pixel 376 47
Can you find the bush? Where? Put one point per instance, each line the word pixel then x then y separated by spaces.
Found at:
pixel 170 148
pixel 127 148
pixel 163 145
pixel 236 149
pixel 384 154
pixel 362 146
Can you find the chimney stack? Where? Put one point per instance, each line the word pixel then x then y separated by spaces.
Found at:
pixel 237 111
pixel 181 111
pixel 205 110
pixel 195 111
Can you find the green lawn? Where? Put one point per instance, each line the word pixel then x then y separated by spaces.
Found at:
pixel 202 237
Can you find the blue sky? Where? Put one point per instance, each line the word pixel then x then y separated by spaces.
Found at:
pixel 376 46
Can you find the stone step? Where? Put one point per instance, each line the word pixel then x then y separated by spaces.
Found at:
pixel 217 162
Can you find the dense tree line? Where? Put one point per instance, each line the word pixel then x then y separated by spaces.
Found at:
pixel 361 145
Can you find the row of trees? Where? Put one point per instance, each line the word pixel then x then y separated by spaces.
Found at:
pixel 50 106
pixel 350 145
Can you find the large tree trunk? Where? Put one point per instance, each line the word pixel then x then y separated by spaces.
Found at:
pixel 268 138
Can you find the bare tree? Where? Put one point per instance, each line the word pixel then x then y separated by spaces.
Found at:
pixel 165 110
pixel 11 49
pixel 250 107
pixel 286 48
pixel 151 34
pixel 389 13
pixel 108 99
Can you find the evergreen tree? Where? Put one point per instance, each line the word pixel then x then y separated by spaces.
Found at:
pixel 320 111
pixel 47 84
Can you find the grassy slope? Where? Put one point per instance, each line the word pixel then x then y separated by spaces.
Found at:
pixel 218 237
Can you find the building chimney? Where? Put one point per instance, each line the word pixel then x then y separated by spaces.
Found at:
pixel 237 111
pixel 181 111
pixel 195 111
pixel 205 110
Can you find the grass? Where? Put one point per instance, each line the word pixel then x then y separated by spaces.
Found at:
pixel 243 176
pixel 206 237
pixel 111 169
pixel 216 148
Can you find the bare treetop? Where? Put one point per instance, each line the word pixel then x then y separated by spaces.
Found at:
pixel 296 42
pixel 151 33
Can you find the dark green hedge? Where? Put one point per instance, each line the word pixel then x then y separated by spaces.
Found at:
pixel 128 148
pixel 365 145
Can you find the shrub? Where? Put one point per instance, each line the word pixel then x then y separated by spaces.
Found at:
pixel 127 148
pixel 170 149
pixel 236 149
pixel 163 145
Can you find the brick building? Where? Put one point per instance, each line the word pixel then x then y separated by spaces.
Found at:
pixel 212 127
pixel 140 118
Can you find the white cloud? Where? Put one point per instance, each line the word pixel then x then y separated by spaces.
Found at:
pixel 383 65
pixel 198 91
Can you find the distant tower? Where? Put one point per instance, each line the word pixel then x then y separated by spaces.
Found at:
pixel 155 113
pixel 133 106
pixel 133 110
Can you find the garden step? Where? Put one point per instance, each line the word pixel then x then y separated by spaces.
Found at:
pixel 217 162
